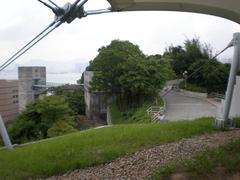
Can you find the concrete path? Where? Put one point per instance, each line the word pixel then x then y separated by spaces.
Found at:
pixel 180 107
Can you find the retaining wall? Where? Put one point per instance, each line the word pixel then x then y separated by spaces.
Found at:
pixel 193 94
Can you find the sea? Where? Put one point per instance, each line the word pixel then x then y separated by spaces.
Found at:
pixel 61 78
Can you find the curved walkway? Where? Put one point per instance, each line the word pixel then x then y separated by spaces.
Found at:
pixel 142 164
pixel 180 107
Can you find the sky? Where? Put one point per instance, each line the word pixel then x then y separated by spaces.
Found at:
pixel 70 47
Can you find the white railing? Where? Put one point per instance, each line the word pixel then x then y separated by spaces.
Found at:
pixel 157 113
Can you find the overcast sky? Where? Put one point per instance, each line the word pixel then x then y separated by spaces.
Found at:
pixel 72 45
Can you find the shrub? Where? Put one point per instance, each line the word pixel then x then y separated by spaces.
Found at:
pixel 40 115
pixel 60 128
pixel 236 122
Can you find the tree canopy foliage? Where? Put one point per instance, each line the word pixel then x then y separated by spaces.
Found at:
pixel 194 55
pixel 74 98
pixel 121 68
pixel 38 117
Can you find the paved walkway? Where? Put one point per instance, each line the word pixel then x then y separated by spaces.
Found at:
pixel 180 107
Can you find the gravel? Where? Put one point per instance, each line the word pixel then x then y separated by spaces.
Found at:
pixel 143 163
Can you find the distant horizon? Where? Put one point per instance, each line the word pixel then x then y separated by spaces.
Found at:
pixel 58 78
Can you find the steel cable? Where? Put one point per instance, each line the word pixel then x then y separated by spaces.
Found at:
pixel 23 52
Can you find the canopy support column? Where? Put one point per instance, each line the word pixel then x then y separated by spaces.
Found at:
pixel 4 134
pixel 232 80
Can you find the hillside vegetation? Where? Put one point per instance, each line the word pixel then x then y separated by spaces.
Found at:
pixel 91 147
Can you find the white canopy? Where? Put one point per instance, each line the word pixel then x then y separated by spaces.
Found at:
pixel 229 9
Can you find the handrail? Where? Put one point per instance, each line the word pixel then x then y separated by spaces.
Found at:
pixel 157 112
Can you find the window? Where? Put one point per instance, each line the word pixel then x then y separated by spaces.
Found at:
pixel 15 102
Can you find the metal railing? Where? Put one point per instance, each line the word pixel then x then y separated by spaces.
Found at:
pixel 156 112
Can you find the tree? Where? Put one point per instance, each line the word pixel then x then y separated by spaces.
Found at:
pixel 75 99
pixel 144 77
pixel 122 69
pixel 108 64
pixel 183 57
pixel 177 57
pixel 39 115
pixel 213 75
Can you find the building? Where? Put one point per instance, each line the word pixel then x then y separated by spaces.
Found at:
pixel 31 84
pixel 16 94
pixel 8 99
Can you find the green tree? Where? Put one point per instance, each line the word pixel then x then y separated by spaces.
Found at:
pixel 39 115
pixel 177 56
pixel 108 64
pixel 122 69
pixel 144 77
pixel 75 98
pixel 213 75
pixel 183 57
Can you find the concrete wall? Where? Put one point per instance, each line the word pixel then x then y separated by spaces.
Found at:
pixel 28 77
pixel 174 82
pixel 96 106
pixel 193 94
pixel 8 99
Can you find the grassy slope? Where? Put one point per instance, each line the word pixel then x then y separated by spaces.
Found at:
pixel 93 147
pixel 134 115
pixel 211 164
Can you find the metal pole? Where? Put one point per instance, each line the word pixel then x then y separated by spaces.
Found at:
pixel 186 83
pixel 4 134
pixel 232 79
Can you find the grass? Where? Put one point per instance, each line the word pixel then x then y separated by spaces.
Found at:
pixel 134 115
pixel 91 147
pixel 236 122
pixel 211 164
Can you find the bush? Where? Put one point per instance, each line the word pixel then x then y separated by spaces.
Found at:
pixel 60 128
pixel 75 99
pixel 39 116
pixel 137 114
pixel 236 122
